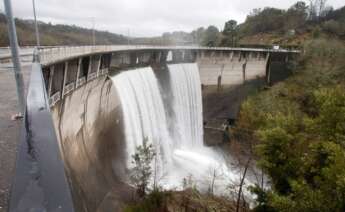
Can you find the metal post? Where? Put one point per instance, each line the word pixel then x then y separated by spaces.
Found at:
pixel 15 55
pixel 36 26
pixel 93 32
pixel 128 34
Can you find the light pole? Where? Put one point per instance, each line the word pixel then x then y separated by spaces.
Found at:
pixel 93 31
pixel 36 26
pixel 128 34
pixel 12 34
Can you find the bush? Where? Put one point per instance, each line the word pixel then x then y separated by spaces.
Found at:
pixel 155 201
pixel 334 27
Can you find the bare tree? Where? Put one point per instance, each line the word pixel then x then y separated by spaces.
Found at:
pixel 213 181
pixel 317 9
pixel 216 173
pixel 155 183
pixel 241 186
pixel 188 182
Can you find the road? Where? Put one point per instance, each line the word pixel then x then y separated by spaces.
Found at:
pixel 9 129
pixel 4 52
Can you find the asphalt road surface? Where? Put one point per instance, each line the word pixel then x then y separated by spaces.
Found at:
pixel 9 129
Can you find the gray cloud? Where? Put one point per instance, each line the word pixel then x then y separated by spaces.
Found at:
pixel 145 17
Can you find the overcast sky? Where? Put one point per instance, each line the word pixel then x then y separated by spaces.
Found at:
pixel 145 17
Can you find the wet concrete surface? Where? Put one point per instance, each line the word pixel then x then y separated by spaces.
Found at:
pixel 89 128
pixel 9 129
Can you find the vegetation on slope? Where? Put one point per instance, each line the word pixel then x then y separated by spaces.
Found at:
pixel 185 201
pixel 293 26
pixel 56 34
pixel 268 26
pixel 298 130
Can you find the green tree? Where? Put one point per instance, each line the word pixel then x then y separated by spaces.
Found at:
pixel 211 36
pixel 279 154
pixel 321 185
pixel 142 170
pixel 263 21
pixel 296 15
pixel 230 33
pixel 305 157
pixel 334 27
pixel 197 35
pixel 330 122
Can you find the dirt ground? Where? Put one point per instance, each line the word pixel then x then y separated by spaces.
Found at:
pixel 9 129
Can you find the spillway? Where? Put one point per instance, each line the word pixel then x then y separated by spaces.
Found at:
pixel 177 137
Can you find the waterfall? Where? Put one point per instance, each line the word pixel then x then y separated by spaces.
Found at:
pixel 187 105
pixel 143 112
pixel 181 152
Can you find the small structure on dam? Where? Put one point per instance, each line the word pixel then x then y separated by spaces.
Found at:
pixel 89 108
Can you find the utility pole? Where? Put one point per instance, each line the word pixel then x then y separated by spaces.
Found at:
pixel 15 56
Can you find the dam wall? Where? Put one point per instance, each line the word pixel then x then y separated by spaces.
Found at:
pixel 86 115
pixel 231 68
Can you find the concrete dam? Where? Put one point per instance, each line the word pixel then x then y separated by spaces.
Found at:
pixel 89 108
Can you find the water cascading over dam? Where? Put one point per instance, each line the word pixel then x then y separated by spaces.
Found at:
pixel 178 136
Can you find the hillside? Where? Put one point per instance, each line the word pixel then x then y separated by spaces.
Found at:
pixel 57 34
pixel 267 26
pixel 293 26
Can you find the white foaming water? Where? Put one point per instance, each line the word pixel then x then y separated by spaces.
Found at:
pixel 181 152
pixel 187 105
pixel 144 114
